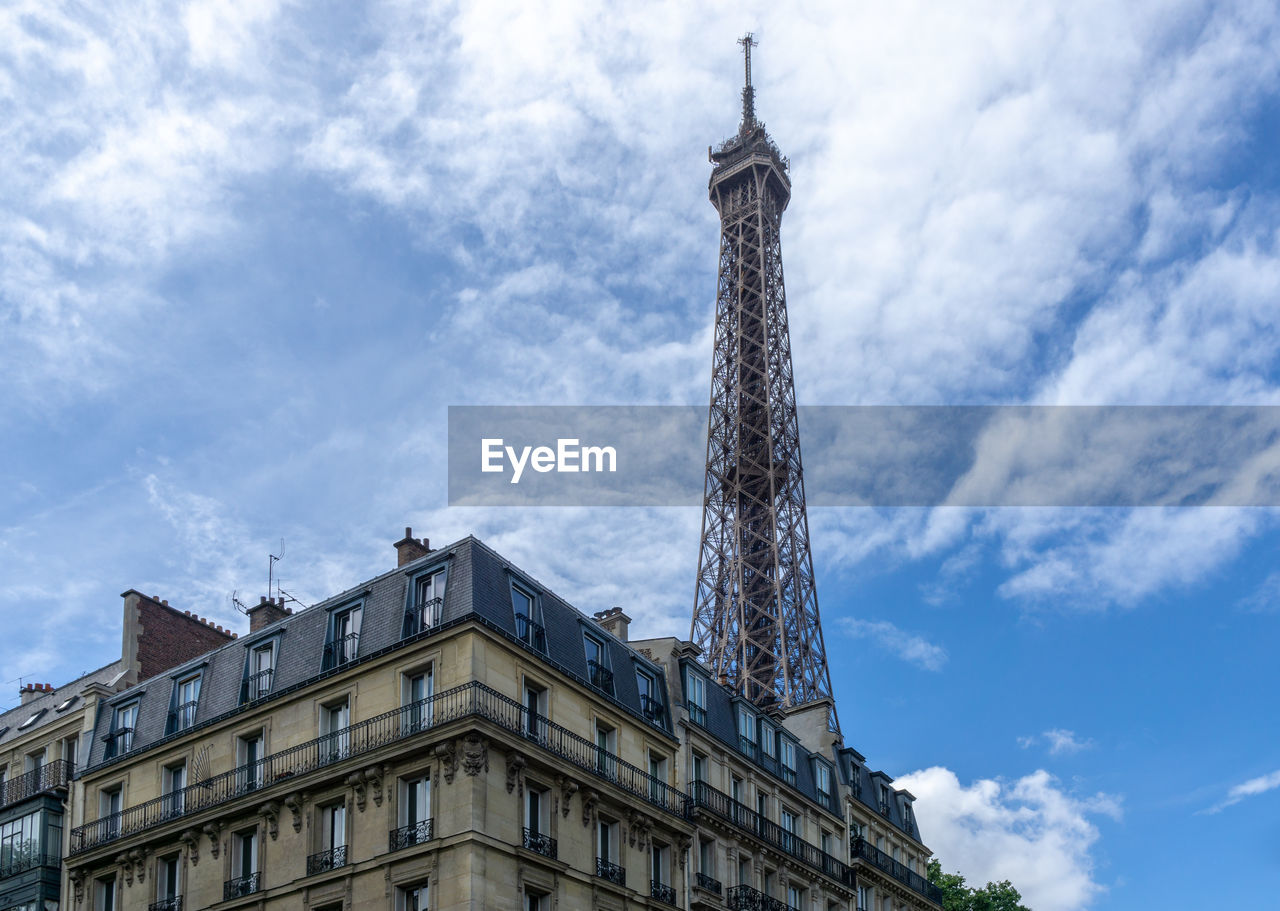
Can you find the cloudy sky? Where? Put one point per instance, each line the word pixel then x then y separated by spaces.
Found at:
pixel 251 251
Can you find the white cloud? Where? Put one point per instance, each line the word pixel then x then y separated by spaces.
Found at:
pixel 1057 741
pixel 1030 832
pixel 909 647
pixel 1265 599
pixel 1251 788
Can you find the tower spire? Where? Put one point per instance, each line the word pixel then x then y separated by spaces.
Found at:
pixel 756 608
pixel 748 41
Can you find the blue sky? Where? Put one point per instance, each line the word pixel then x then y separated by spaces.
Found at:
pixel 251 251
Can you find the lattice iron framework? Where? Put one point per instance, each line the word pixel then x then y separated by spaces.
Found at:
pixel 756 611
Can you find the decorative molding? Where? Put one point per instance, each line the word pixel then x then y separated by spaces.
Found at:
pixel 77 884
pixel 139 859
pixel 475 754
pixel 568 787
pixel 356 782
pixel 270 812
pixel 191 838
pixel 126 867
pixel 589 801
pixel 515 767
pixel 211 829
pixel 294 803
pixel 375 776
pixel 448 760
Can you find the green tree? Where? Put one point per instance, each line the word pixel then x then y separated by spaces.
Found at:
pixel 957 896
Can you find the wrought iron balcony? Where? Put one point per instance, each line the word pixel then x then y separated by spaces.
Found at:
pixel 652 708
pixel 51 776
pixel 659 891
pixel 703 881
pixel 241 886
pixel 600 676
pixel 422 616
pixel 861 849
pixel 745 898
pixel 697 714
pixel 282 769
pixel 341 650
pixel 611 872
pixel 323 861
pixel 749 748
pixel 531 633
pixel 257 685
pixel 540 843
pixel 181 718
pixel 166 904
pixel 413 834
pixel 119 742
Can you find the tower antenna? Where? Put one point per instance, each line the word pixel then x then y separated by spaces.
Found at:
pixel 272 559
pixel 748 41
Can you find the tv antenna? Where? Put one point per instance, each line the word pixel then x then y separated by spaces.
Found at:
pixel 238 604
pixel 272 559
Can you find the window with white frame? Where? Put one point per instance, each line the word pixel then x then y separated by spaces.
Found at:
pixel 699 771
pixel 260 670
pixel 428 601
pixel 768 739
pixel 124 721
pixel 657 776
pixel 186 697
pixel 599 673
pixel 787 756
pixel 747 731
pixel 173 785
pixel 528 614
pixel 417 690
pixel 168 887
pixel 695 691
pixel 412 898
pixel 104 894
pixel 606 749
pixel 335 723
pixel 344 636
pixel 660 862
pixel 822 780
pixel 333 836
pixel 110 803
pixel 795 898
pixel 650 701
pixel 535 709
pixel 249 756
pixel 607 840
pixel 244 860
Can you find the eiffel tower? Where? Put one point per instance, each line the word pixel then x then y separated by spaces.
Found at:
pixel 756 610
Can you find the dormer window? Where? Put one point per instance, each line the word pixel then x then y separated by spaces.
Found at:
pixel 768 742
pixel 747 732
pixel 822 780
pixel 598 671
pixel 427 604
pixel 884 800
pixel 695 696
pixel 260 671
pixel 650 703
pixel 787 753
pixel 124 722
pixel 344 637
pixel 528 613
pixel 186 697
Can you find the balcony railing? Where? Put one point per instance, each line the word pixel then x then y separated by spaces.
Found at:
pixel 611 872
pixel 652 708
pixel 181 718
pixel 661 892
pixel 166 904
pixel 27 862
pixel 241 886
pixel 540 843
pixel 413 834
pixel 531 633
pixel 717 803
pixel 257 685
pixel 422 616
pixel 51 776
pixel 324 861
pixel 861 849
pixel 703 881
pixel 697 714
pixel 119 742
pixel 600 676
pixel 341 650
pixel 745 898
pixel 469 700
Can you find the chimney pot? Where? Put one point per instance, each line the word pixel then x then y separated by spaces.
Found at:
pixel 410 548
pixel 262 599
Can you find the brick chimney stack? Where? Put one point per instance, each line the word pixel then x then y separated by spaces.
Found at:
pixel 614 621
pixel 34 691
pixel 266 612
pixel 410 548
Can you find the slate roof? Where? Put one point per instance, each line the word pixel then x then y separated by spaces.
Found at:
pixel 46 705
pixel 477 586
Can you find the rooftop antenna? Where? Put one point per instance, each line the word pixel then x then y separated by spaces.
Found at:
pixel 272 559
pixel 748 41
pixel 238 604
pixel 285 596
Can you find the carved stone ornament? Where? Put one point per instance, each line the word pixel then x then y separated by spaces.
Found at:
pixel 294 803
pixel 77 884
pixel 448 760
pixel 139 864
pixel 685 844
pixel 375 775
pixel 270 812
pixel 515 766
pixel 356 782
pixel 191 838
pixel 568 787
pixel 589 801
pixel 126 867
pixel 475 754
pixel 211 830
pixel 637 830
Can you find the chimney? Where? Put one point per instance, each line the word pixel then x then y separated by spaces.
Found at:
pixel 411 548
pixel 266 612
pixel 34 691
pixel 614 621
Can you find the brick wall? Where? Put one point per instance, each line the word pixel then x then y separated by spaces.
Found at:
pixel 164 637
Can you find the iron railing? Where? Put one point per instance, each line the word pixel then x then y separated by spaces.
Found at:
pixel 324 861
pixel 257 685
pixel 341 650
pixel 241 886
pixel 532 634
pixel 660 891
pixel 703 881
pixel 745 898
pixel 119 742
pixel 652 708
pixel 540 843
pixel 469 700
pixel 422 616
pixel 166 904
pixel 413 834
pixel 181 718
pixel 861 849
pixel 22 864
pixel 610 871
pixel 697 714
pixel 600 676
pixel 49 777
pixel 719 804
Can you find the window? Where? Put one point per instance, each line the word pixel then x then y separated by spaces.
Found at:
pixel 23 842
pixel 747 732
pixel 412 898
pixel 536 808
pixel 110 803
pixel 768 742
pixel 528 614
pixel 66 703
pixel 186 696
pixel 787 753
pixel 744 871
pixel 33 762
pixel 123 722
pixel 244 865
pixel 31 720
pixel 768 882
pixel 333 839
pixel 534 901
pixel 249 756
pixel 174 780
pixel 344 637
pixel 414 813
pixel 707 857
pixel 660 855
pixel 894 853
pixel 735 788
pixel 884 799
pixel 428 603
pixel 695 695
pixel 535 707
pixel 104 894
pixel 795 898
pixel 606 749
pixel 657 777
pixel 607 840
pixel 864 903
pixel 791 829
pixel 699 767
pixel 825 842
pixel 167 886
pixel 259 671
pixel 335 723
pixel 856 830
pixel 598 671
pixel 71 752
pixel 908 819
pixel 762 804
pixel 416 696
pixel 650 702
pixel 822 778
